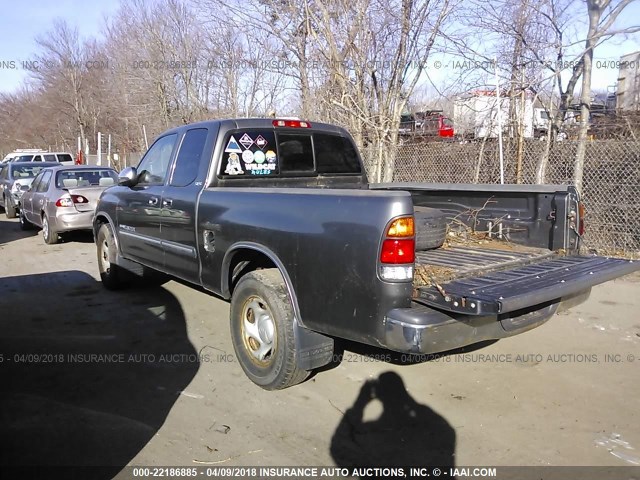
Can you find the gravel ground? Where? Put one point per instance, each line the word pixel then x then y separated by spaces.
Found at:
pixel 148 376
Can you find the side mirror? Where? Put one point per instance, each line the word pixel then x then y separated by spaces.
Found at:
pixel 25 188
pixel 128 177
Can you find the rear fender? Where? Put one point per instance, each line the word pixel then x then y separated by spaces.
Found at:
pixel 313 349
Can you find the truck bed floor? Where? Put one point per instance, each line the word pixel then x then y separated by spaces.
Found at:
pixel 445 264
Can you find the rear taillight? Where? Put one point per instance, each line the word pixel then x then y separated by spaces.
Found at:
pixel 69 201
pixel 581 213
pixel 398 251
pixel 397 254
pixel 291 123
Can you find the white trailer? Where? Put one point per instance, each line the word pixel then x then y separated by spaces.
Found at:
pixel 475 115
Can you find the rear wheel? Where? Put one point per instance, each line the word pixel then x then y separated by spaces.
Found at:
pixel 113 277
pixel 24 223
pixel 50 237
pixel 9 209
pixel 262 330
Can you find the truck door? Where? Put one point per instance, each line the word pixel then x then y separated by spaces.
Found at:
pixel 179 203
pixel 140 206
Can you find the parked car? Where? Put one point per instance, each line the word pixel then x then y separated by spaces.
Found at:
pixel 64 198
pixel 15 178
pixel 22 151
pixel 278 217
pixel 60 157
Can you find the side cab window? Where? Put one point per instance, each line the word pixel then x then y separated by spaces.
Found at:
pixel 153 168
pixel 189 156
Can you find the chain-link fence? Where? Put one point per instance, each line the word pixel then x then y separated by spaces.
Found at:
pixel 611 181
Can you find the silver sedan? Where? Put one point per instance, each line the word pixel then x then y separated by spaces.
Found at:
pixel 64 198
pixel 15 178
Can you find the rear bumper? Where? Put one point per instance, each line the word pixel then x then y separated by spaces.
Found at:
pixel 422 329
pixel 73 221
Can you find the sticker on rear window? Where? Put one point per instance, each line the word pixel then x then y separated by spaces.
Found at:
pixel 247 156
pixel 233 165
pixel 232 146
pixel 258 156
pixel 246 140
pixel 261 142
pixel 270 156
pixel 252 159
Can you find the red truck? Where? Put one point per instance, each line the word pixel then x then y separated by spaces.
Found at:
pixel 430 123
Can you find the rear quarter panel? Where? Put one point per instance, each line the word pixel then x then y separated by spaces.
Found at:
pixel 328 242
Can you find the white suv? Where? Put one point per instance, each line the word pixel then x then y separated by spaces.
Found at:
pixel 23 151
pixel 61 157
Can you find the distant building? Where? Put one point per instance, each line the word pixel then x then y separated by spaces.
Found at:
pixel 628 91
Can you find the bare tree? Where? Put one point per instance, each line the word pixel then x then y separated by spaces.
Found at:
pixel 601 15
pixel 376 53
pixel 60 70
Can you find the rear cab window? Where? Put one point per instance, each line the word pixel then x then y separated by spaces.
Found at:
pixel 287 153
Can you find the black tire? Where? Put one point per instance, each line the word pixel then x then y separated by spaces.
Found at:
pixel 9 209
pixel 50 237
pixel 113 276
pixel 24 223
pixel 264 293
pixel 431 228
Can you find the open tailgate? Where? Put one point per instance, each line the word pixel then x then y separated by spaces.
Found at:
pixel 515 289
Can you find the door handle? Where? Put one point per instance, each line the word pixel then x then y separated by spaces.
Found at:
pixel 167 202
pixel 153 201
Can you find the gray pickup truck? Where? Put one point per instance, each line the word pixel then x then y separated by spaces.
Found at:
pixel 277 216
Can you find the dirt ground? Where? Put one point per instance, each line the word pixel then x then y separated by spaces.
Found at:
pixel 148 376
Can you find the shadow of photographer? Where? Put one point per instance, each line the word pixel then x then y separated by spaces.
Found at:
pixel 405 434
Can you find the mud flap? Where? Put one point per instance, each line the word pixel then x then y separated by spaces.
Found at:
pixel 313 350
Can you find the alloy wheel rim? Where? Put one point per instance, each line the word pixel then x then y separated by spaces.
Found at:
pixel 104 256
pixel 258 331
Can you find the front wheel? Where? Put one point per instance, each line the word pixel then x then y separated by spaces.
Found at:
pixel 50 237
pixel 113 277
pixel 262 330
